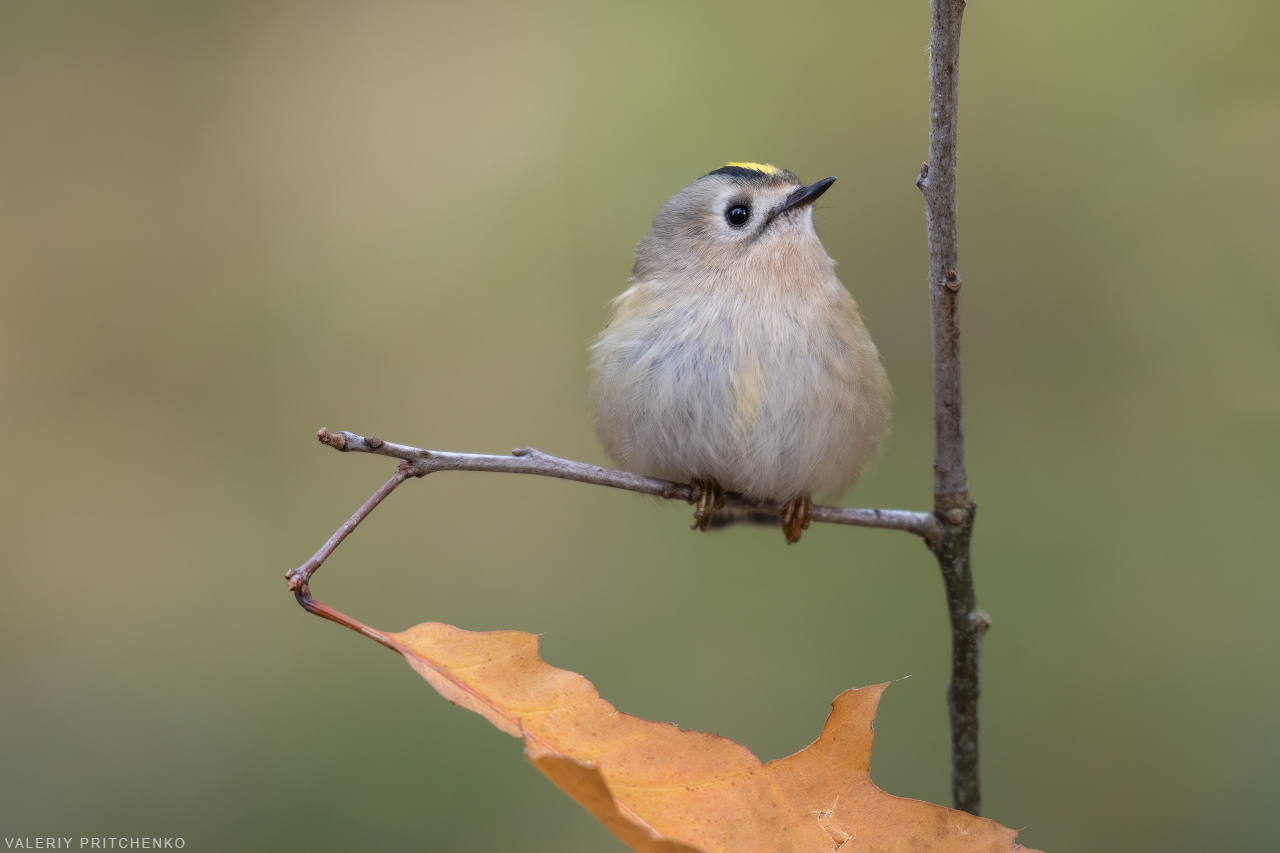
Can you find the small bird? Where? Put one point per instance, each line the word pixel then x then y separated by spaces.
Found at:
pixel 736 360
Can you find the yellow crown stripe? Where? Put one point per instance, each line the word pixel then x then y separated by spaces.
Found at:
pixel 756 167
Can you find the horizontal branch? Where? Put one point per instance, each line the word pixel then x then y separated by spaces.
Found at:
pixel 416 462
pixel 529 461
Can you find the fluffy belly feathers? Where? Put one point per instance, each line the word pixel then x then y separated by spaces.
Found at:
pixel 773 401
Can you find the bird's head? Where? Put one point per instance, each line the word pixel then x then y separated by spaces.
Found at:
pixel 741 215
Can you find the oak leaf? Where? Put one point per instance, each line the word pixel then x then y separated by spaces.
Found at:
pixel 662 789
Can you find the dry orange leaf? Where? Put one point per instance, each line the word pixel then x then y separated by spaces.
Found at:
pixel 661 788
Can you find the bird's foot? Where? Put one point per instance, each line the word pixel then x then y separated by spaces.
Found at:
pixel 795 517
pixel 707 498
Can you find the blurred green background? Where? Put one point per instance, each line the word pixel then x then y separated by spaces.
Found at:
pixel 224 225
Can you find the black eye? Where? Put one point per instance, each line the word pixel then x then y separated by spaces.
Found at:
pixel 738 215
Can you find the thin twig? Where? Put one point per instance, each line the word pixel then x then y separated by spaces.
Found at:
pixel 416 462
pixel 299 577
pixel 526 460
pixel 952 504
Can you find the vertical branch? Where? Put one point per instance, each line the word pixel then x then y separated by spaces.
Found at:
pixel 938 183
pixel 954 509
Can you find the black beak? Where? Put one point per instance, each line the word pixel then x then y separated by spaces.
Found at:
pixel 806 195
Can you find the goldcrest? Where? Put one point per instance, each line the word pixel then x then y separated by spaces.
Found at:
pixel 736 360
